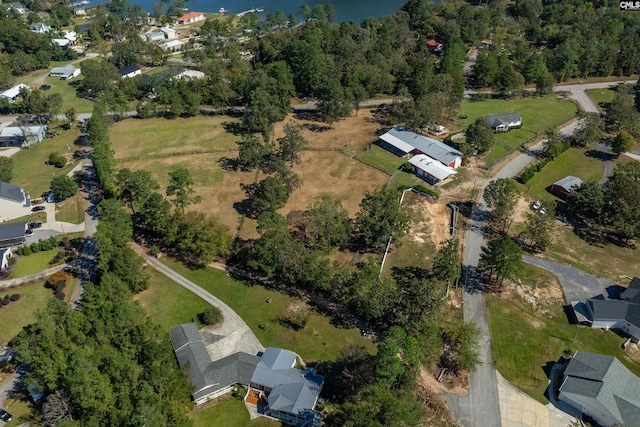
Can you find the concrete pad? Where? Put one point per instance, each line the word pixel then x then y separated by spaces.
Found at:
pixel 8 152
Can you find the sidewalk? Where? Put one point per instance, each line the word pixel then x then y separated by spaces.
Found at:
pixel 31 277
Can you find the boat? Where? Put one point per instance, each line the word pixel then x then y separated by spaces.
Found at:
pixel 222 11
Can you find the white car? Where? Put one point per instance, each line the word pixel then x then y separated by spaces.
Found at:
pixel 543 211
pixel 536 205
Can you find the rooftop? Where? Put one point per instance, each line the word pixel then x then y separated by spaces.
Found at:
pixel 11 192
pixel 130 69
pixel 569 183
pixel 432 167
pixel 14 91
pixel 189 15
pixel 13 230
pixel 407 141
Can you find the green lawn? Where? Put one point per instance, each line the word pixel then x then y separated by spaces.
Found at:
pixel 34 174
pixel 22 411
pixel 22 312
pixel 71 210
pixel 571 162
pixel 524 340
pixel 382 158
pixel 320 340
pixel 229 412
pixel 601 96
pixel 33 263
pixel 538 115
pixel 169 304
pixel 67 89
pixel 405 178
pixel 136 137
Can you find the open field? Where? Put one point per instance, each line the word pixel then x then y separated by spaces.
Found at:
pixel 571 162
pixel 22 411
pixel 33 173
pixel 319 340
pixel 228 412
pixel 71 210
pixel 169 304
pixel 29 264
pixel 405 178
pixel 601 96
pixel 382 158
pixel 137 137
pixel 22 312
pixel 525 339
pixel 67 89
pixel 538 115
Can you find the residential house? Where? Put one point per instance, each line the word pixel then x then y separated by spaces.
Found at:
pixel 22 135
pixel 566 185
pixel 13 93
pixel 189 73
pixel 72 36
pixel 602 388
pixel 62 43
pixel 13 234
pixel 80 10
pixel 130 71
pixel 169 33
pixel 190 18
pixel 504 122
pixel 434 46
pixel 172 46
pixel 17 6
pixel 14 201
pixel 431 170
pixel 39 27
pixel 276 388
pixel 154 36
pixel 65 73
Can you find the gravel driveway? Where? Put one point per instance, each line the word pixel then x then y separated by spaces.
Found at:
pixel 576 284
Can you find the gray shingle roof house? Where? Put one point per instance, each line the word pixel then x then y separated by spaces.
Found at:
pixel 566 185
pixel 622 314
pixel 22 135
pixel 602 388
pixel 130 71
pixel 12 234
pixel 504 122
pixel 277 388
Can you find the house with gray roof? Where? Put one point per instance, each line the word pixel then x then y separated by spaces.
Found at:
pixel 602 388
pixel 277 389
pixel 564 186
pixel 14 201
pixel 504 122
pixel 22 135
pixel 39 27
pixel 13 234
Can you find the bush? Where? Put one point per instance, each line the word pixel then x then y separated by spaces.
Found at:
pixel 59 287
pixel 6 300
pixel 154 251
pixel 531 171
pixel 15 297
pixel 57 160
pixel 408 167
pixel 35 247
pixel 60 296
pixel 211 316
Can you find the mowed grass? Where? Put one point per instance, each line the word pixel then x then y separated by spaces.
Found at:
pixel 71 210
pixel 29 264
pixel 137 137
pixel 602 260
pixel 169 304
pixel 67 89
pixel 22 312
pixel 32 172
pixel 319 340
pixel 538 115
pixel 601 96
pixel 228 412
pixel 572 162
pixel 382 158
pixel 22 411
pixel 524 341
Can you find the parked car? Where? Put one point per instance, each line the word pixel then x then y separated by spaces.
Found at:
pixel 5 416
pixel 45 87
pixel 51 197
pixel 536 205
pixel 35 225
pixel 29 232
pixel 542 211
pixel 37 208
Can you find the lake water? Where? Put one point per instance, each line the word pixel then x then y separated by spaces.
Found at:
pixel 346 10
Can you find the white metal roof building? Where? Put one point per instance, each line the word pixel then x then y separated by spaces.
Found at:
pixel 12 93
pixel 431 170
pixel 406 141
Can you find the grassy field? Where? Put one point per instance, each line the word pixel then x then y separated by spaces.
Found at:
pixel 405 178
pixel 67 89
pixel 71 210
pixel 33 263
pixel 22 312
pixel 538 115
pixel 382 158
pixel 320 340
pixel 229 412
pixel 34 174
pixel 169 304
pixel 22 411
pixel 571 162
pixel 601 96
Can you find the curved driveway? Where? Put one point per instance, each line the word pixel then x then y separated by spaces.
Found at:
pixel 222 340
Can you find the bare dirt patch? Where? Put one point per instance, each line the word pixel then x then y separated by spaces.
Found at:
pixel 450 383
pixel 540 298
pixel 434 222
pixel 521 210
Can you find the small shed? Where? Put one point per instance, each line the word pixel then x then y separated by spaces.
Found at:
pixel 504 122
pixel 566 185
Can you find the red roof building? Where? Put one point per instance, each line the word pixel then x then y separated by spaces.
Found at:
pixel 190 18
pixel 434 45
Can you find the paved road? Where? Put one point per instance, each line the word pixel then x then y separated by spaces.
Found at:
pixel 576 284
pixel 10 385
pixel 222 340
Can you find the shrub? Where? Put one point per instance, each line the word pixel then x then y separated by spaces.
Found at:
pixel 60 296
pixel 154 251
pixel 15 297
pixel 35 247
pixel 59 278
pixel 57 160
pixel 59 287
pixel 211 316
pixel 408 167
pixel 6 300
pixel 26 250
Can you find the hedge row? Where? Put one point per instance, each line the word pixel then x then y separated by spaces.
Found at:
pixel 531 171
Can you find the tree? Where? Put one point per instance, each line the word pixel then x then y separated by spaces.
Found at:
pixel 589 130
pixel 485 69
pixel 500 259
pixel 181 187
pixel 332 102
pixel 135 187
pixel 380 218
pixel 554 145
pixel 201 239
pixel 622 113
pixel 480 135
pixel 446 263
pixel 622 200
pixel 537 234
pixel 292 143
pixel 56 408
pixel 63 187
pixel 6 169
pixel 58 160
pixel 622 143
pixel 326 223
pixel 462 346
pixel 587 201
pixel 250 152
pixel 501 196
pixel 72 116
pixel 99 76
pixel 211 316
pixel 155 216
pixel 270 194
pixel 98 125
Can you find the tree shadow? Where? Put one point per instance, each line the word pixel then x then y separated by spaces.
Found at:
pixel 230 164
pixel 234 128
pixel 310 115
pixel 600 155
